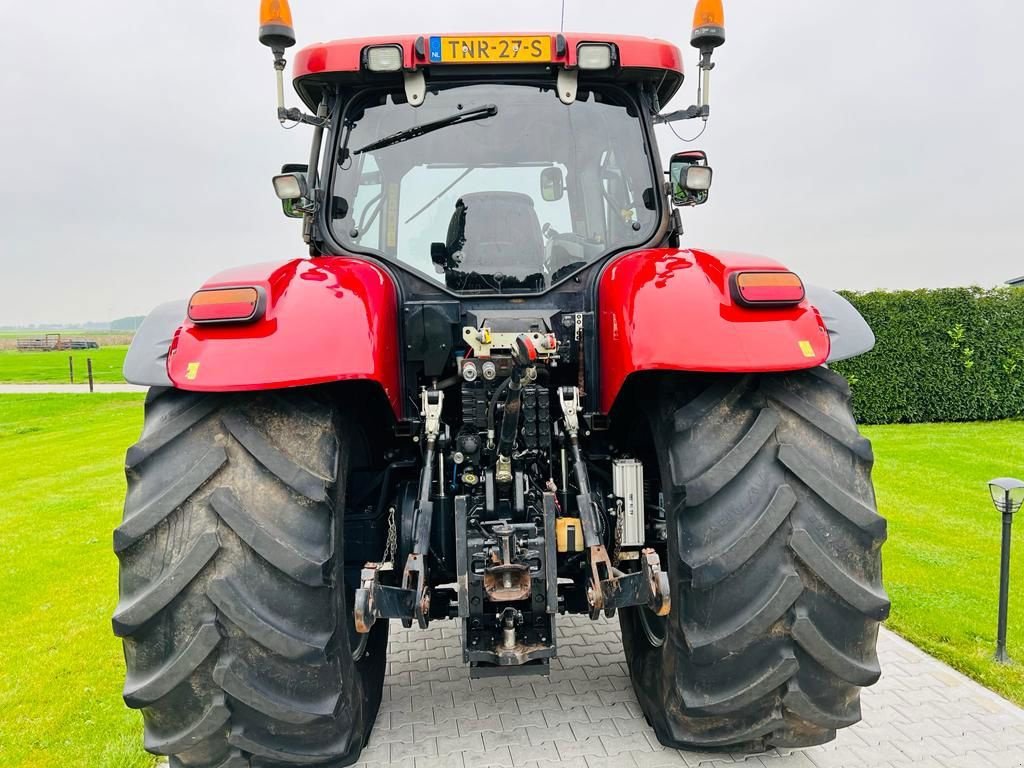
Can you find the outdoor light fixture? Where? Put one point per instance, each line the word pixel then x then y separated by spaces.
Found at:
pixel 1007 496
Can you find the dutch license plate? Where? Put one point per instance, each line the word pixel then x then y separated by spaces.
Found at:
pixel 489 50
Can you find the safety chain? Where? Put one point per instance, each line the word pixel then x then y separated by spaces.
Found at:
pixel 617 548
pixel 392 543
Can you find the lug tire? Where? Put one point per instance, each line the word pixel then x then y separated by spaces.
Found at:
pixel 773 554
pixel 233 607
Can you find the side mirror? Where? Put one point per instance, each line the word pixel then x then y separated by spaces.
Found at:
pixel 292 189
pixel 439 257
pixel 690 178
pixel 552 184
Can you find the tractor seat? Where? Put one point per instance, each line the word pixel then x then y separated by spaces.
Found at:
pixel 496 232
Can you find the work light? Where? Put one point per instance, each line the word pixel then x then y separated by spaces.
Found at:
pixel 384 58
pixel 594 56
pixel 290 186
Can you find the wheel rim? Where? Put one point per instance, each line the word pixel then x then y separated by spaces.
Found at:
pixel 653 626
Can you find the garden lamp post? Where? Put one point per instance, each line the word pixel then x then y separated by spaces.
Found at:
pixel 1007 495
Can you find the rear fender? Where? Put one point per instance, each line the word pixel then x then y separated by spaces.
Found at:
pixel 849 333
pixel 672 310
pixel 326 320
pixel 146 360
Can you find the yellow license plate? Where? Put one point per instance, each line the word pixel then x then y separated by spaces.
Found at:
pixel 494 49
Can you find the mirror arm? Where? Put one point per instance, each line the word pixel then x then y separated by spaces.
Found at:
pixel 314 164
pixel 675 230
pixel 298 116
pixel 690 113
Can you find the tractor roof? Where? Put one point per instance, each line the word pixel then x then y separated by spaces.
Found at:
pixel 344 61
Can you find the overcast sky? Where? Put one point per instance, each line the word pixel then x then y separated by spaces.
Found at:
pixel 865 144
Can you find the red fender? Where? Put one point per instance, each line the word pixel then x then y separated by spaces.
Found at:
pixel 327 319
pixel 672 310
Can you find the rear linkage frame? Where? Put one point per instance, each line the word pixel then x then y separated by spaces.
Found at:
pixel 506 548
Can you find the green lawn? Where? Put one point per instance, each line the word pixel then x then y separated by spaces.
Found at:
pixel 60 498
pixel 52 367
pixel 61 493
pixel 941 562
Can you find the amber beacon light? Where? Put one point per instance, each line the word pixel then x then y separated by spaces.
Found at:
pixel 276 25
pixel 708 25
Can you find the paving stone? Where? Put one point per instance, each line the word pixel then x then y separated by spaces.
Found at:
pixel 547 751
pixel 921 714
pixel 515 738
pixel 496 757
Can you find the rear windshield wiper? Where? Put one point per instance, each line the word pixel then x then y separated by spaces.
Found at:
pixel 467 116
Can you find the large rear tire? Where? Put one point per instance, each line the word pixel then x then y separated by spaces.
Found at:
pixel 774 562
pixel 233 610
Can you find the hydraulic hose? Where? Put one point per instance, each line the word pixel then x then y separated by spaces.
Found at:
pixel 510 416
pixel 492 408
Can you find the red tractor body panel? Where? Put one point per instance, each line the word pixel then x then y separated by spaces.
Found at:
pixel 326 319
pixel 347 55
pixel 666 309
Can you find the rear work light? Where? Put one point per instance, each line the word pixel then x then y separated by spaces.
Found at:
pixel 595 56
pixel 226 305
pixel 760 289
pixel 384 58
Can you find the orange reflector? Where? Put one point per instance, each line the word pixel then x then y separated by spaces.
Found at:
pixel 220 305
pixel 767 288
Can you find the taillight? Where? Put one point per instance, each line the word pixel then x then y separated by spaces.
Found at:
pixel 225 305
pixel 767 288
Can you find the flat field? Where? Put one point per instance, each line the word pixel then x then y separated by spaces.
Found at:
pixel 61 494
pixel 61 459
pixel 52 367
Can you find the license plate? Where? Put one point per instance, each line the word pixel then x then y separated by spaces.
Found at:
pixel 489 50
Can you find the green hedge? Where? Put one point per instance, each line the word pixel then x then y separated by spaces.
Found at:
pixel 954 354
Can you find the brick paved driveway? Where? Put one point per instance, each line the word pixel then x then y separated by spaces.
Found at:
pixel 921 713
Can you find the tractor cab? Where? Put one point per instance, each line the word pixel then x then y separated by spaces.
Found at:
pixel 486 164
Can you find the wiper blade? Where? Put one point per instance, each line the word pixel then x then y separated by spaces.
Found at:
pixel 467 116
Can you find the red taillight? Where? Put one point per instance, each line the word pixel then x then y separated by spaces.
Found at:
pixel 767 288
pixel 224 305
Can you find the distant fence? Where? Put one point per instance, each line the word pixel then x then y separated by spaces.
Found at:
pixel 53 342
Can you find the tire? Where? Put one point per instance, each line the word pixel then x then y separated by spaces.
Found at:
pixel 773 556
pixel 233 606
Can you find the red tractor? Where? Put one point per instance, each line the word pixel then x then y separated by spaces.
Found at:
pixel 497 391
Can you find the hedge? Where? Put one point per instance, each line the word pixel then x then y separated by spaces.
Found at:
pixel 953 354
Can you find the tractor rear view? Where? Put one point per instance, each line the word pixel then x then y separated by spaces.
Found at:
pixel 497 391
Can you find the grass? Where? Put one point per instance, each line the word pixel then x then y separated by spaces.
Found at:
pixel 60 497
pixel 52 367
pixel 941 562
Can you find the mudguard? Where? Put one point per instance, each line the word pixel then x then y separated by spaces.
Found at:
pixel 666 309
pixel 146 361
pixel 327 319
pixel 849 333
